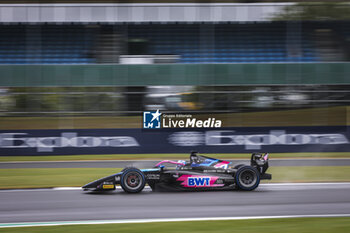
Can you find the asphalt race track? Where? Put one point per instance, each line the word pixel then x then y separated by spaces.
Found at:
pixel 268 199
pixel 151 163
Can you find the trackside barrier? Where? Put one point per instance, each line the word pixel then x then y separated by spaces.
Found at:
pixel 129 141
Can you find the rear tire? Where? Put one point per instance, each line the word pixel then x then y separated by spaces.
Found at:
pixel 247 178
pixel 132 180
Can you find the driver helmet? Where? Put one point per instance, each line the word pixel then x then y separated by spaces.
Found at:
pixel 193 157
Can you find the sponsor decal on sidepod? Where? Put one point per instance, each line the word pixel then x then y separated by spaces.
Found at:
pixel 195 181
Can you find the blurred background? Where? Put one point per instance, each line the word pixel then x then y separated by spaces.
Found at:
pixel 61 63
pixel 76 76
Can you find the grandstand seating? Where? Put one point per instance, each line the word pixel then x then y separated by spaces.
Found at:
pixel 48 44
pixel 227 43
pixel 195 43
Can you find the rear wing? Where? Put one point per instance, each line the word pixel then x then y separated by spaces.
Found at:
pixel 260 161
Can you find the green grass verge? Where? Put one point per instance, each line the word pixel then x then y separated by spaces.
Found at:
pixel 328 116
pixel 310 174
pixel 168 156
pixel 51 177
pixel 58 177
pixel 292 225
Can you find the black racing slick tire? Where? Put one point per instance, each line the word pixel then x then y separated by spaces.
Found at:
pixel 132 180
pixel 247 178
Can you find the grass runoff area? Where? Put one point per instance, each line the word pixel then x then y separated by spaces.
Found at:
pixel 290 225
pixel 66 177
pixel 326 116
pixel 168 156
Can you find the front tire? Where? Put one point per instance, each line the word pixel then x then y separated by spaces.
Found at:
pixel 247 178
pixel 132 180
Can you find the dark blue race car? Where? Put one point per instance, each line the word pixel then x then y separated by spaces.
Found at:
pixel 201 173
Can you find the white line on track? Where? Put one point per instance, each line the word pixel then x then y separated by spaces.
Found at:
pixel 82 161
pixel 67 188
pixel 274 186
pixel 301 184
pixel 60 223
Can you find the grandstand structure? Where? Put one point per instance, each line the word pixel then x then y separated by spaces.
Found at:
pixel 195 33
pixel 193 43
pixel 53 44
pixel 229 43
pixel 103 58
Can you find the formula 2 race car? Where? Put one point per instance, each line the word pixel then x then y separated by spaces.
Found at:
pixel 200 174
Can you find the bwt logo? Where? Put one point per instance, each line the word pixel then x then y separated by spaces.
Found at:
pixel 191 181
pixel 151 120
pixel 198 181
